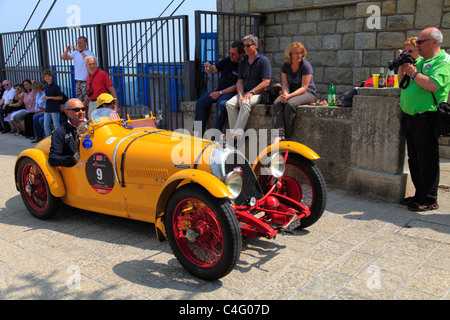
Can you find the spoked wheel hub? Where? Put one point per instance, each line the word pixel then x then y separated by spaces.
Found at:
pixel 198 233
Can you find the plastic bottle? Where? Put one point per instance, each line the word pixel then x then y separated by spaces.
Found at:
pixel 382 80
pixel 331 95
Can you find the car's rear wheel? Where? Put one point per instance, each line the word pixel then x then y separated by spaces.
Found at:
pixel 203 232
pixel 34 190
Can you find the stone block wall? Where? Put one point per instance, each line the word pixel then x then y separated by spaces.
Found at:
pixel 343 44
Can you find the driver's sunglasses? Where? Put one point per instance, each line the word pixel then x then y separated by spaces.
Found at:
pixel 77 109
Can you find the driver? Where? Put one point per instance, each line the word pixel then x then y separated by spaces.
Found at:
pixel 63 149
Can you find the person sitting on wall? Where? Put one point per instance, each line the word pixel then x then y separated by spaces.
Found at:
pixel 298 88
pixel 254 74
pixel 225 90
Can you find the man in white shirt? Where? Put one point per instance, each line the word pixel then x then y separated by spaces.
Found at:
pixel 78 54
pixel 7 99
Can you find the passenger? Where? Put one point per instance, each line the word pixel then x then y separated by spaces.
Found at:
pixel 53 97
pixel 226 88
pixel 298 88
pixel 254 74
pixel 63 149
pixel 105 100
pixel 98 82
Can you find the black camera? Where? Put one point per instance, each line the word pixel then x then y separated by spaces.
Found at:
pixel 404 57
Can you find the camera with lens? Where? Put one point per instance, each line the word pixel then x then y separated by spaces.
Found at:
pixel 404 57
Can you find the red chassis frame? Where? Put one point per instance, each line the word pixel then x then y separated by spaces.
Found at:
pixel 278 209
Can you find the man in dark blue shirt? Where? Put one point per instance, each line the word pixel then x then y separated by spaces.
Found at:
pixel 225 90
pixel 255 72
pixel 63 149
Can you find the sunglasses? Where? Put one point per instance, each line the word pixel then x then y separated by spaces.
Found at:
pixel 5 85
pixel 77 109
pixel 248 45
pixel 422 41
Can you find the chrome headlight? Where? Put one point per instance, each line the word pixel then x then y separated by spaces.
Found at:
pixel 277 165
pixel 234 182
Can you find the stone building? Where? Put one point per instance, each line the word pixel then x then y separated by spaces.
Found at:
pixel 346 40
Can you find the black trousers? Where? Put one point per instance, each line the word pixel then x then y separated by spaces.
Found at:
pixel 423 155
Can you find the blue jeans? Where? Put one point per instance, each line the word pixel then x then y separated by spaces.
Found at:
pixel 203 105
pixel 4 124
pixel 48 117
pixel 38 125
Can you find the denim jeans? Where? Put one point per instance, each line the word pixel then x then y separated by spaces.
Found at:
pixel 4 124
pixel 203 105
pixel 48 118
pixel 38 125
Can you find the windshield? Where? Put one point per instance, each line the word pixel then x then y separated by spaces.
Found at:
pixel 104 115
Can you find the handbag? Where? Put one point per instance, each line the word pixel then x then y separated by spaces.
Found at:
pixel 443 118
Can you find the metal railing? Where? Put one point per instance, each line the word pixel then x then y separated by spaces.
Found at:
pixel 147 60
pixel 215 31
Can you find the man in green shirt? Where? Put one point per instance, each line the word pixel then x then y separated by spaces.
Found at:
pixel 430 75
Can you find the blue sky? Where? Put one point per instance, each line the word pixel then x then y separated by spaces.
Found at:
pixel 15 14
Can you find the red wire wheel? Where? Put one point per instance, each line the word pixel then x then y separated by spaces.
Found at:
pixel 203 232
pixel 34 190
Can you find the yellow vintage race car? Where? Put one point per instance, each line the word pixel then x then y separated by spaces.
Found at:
pixel 203 196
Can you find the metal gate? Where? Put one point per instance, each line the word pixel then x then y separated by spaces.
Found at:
pixel 148 60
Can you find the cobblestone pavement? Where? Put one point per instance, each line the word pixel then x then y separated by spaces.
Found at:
pixel 359 249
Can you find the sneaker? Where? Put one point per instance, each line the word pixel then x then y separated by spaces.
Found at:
pixel 36 140
pixel 417 207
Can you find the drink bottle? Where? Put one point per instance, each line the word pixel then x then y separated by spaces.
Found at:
pixel 331 95
pixel 382 80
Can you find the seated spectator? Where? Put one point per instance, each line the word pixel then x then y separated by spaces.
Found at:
pixel 254 74
pixel 225 90
pixel 53 97
pixel 7 98
pixel 38 116
pixel 29 99
pixel 298 88
pixel 17 104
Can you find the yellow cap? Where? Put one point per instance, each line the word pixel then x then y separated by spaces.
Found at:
pixel 105 98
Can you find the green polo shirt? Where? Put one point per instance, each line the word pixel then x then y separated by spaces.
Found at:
pixel 415 99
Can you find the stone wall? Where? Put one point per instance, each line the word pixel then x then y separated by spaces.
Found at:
pixel 361 149
pixel 344 43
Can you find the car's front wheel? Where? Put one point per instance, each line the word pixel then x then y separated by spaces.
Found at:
pixel 203 232
pixel 34 190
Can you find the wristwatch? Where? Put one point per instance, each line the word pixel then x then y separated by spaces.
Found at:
pixel 252 92
pixel 414 75
pixel 81 51
pixel 220 92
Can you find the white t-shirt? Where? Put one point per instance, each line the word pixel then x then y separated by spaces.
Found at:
pixel 81 71
pixel 9 95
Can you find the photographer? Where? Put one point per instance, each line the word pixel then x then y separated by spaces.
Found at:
pixel 430 76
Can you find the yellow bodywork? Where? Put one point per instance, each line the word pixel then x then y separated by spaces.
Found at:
pixel 129 172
